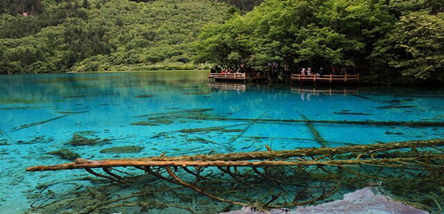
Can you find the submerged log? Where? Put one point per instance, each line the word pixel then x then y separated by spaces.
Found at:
pixel 348 122
pixel 182 163
pixel 233 159
pixel 316 135
pixel 28 125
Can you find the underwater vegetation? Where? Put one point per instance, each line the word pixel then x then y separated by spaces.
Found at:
pixel 211 129
pixel 144 96
pixel 160 135
pixel 165 118
pixel 86 139
pixel 65 154
pixel 162 118
pixel 393 133
pixel 75 96
pixel 153 122
pixel 200 140
pixel 395 107
pixel 37 139
pixel 20 108
pixel 122 149
pixel 186 112
pixel 348 112
pixel 15 100
pixel 393 101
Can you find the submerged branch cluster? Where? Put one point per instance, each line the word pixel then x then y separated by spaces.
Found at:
pixel 294 177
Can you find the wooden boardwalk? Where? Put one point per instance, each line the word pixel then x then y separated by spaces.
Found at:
pixel 232 77
pixel 329 78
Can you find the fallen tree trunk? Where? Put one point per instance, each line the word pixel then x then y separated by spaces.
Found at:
pixel 349 122
pixel 316 135
pixel 268 154
pixel 181 163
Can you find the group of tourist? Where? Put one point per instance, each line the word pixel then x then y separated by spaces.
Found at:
pixel 321 71
pixel 225 71
pixel 307 71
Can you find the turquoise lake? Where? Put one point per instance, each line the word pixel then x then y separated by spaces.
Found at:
pixel 180 113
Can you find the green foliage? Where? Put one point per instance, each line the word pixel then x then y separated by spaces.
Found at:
pixel 21 6
pixel 244 5
pixel 292 32
pixel 372 35
pixel 415 46
pixel 395 37
pixel 102 35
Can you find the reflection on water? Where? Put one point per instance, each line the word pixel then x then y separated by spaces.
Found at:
pixel 307 93
pixel 241 87
pixel 49 119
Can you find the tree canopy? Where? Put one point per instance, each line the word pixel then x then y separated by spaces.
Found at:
pixel 374 36
pixel 99 35
pixel 388 39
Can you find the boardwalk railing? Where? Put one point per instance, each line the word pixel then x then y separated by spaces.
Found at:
pixel 228 76
pixel 325 78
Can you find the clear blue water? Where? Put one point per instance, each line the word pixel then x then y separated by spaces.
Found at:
pixel 180 113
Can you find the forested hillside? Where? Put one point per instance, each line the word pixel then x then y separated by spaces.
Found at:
pixel 386 40
pixel 42 36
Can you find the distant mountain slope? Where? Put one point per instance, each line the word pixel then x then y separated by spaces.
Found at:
pixel 100 35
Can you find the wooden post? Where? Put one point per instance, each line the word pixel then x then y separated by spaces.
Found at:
pixel 331 78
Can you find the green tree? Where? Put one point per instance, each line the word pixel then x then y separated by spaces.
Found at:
pixel 85 4
pixel 72 35
pixel 415 47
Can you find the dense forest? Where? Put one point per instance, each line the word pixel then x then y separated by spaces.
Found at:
pixel 387 40
pixel 46 36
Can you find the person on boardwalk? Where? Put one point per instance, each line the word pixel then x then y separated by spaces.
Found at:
pixel 303 71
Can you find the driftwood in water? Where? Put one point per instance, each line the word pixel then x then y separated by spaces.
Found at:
pixel 348 122
pixel 316 135
pixel 416 163
pixel 28 125
pixel 380 147
pixel 184 163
